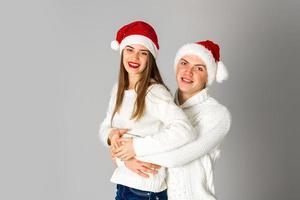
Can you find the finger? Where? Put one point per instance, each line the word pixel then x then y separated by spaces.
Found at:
pixel 122 131
pixel 150 165
pixel 146 164
pixel 128 157
pixel 113 145
pixel 142 174
pixel 120 155
pixel 123 157
pixel 116 145
pixel 149 170
pixel 124 140
pixel 119 143
pixel 117 150
pixel 113 155
pixel 154 166
pixel 114 132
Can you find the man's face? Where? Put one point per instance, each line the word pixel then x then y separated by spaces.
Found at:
pixel 191 74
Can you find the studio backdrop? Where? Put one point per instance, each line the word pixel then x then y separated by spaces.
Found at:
pixel 57 71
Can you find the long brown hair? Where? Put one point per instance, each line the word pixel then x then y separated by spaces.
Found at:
pixel 149 76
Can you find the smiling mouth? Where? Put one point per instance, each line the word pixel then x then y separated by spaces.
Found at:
pixel 185 80
pixel 133 65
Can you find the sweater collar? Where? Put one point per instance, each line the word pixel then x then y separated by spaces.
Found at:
pixel 198 98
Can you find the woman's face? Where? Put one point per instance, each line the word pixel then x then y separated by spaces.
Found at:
pixel 191 74
pixel 135 57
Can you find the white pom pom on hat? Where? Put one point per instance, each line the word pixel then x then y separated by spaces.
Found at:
pixel 115 45
pixel 222 72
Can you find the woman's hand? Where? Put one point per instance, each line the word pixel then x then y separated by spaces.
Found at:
pixel 141 168
pixel 112 155
pixel 114 136
pixel 126 150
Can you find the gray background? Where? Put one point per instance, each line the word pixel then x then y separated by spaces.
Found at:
pixel 57 69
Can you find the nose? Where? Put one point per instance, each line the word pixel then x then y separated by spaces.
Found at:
pixel 189 70
pixel 136 55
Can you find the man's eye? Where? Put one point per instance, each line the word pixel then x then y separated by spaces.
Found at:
pixel 183 63
pixel 199 69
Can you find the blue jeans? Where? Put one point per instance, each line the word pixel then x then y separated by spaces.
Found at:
pixel 127 193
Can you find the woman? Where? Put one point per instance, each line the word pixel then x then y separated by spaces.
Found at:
pixel 141 103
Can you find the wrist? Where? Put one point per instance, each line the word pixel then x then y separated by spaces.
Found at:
pixel 120 162
pixel 110 136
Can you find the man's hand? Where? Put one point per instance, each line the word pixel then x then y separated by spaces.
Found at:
pixel 113 137
pixel 126 150
pixel 141 168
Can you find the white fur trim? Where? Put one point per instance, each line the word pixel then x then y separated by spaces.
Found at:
pixel 139 39
pixel 115 45
pixel 204 54
pixel 222 72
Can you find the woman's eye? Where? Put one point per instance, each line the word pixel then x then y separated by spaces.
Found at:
pixel 129 50
pixel 144 53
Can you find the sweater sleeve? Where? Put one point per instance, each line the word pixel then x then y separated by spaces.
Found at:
pixel 210 135
pixel 119 162
pixel 176 130
pixel 105 126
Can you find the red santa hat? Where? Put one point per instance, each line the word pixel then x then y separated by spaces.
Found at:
pixel 209 52
pixel 137 32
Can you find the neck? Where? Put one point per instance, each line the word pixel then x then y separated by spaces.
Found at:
pixel 132 81
pixel 184 96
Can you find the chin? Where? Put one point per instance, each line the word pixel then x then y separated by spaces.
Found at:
pixel 132 71
pixel 184 88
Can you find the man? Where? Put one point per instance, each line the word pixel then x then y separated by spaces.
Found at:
pixel 190 167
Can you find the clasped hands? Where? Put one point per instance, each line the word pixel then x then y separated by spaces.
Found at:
pixel 123 149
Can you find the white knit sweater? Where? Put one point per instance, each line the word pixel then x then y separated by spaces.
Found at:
pixel 190 167
pixel 163 127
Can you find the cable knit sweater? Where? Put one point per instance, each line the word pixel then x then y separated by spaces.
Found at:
pixel 163 127
pixel 190 167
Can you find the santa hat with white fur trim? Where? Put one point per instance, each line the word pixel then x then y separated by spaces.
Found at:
pixel 209 52
pixel 137 32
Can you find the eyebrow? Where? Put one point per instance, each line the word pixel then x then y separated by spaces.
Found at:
pixel 139 50
pixel 203 65
pixel 144 50
pixel 184 60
